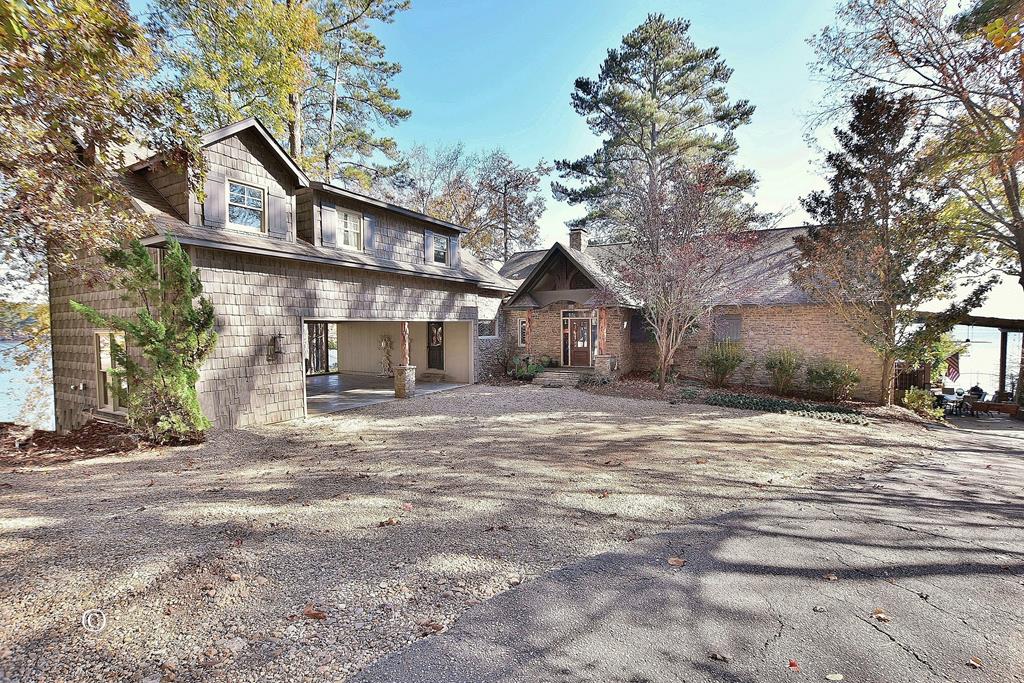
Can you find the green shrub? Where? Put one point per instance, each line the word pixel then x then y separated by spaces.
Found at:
pixel 832 379
pixel 922 402
pixel 172 331
pixel 525 369
pixel 818 411
pixel 783 365
pixel 720 360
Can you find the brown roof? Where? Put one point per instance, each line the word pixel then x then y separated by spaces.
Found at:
pixel 761 277
pixel 168 223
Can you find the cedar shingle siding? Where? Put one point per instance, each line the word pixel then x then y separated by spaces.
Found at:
pixel 257 295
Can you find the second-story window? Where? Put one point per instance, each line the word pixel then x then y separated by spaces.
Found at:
pixel 245 207
pixel 351 229
pixel 441 246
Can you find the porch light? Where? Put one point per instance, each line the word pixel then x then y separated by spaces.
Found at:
pixel 274 350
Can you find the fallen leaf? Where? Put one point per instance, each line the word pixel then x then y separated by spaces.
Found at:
pixel 830 577
pixel 719 657
pixel 151 482
pixel 879 615
pixel 834 677
pixel 430 626
pixel 793 666
pixel 701 461
pixel 390 521
pixel 407 507
pixel 974 663
pixel 604 494
pixel 314 613
pixel 676 561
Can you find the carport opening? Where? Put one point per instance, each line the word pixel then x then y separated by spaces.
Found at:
pixel 350 363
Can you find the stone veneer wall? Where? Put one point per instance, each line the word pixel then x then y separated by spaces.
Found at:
pixel 254 298
pixel 490 350
pixel 812 330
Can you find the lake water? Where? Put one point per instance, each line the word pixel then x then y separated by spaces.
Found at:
pixel 14 386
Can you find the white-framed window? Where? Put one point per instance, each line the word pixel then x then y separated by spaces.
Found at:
pixel 246 207
pixel 521 337
pixel 442 246
pixel 487 328
pixel 106 396
pixel 351 229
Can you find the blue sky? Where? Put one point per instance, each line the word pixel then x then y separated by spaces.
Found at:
pixel 499 74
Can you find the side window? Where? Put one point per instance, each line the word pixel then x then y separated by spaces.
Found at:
pixel 727 328
pixel 107 397
pixel 521 340
pixel 442 245
pixel 486 328
pixel 246 207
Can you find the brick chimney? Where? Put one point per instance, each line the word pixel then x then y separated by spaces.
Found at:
pixel 578 239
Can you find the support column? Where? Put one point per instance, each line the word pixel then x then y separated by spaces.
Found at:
pixel 529 332
pixel 1003 343
pixel 405 374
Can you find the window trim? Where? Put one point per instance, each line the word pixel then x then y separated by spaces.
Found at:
pixel 521 333
pixel 339 229
pixel 447 251
pixel 486 322
pixel 101 384
pixel 719 323
pixel 228 203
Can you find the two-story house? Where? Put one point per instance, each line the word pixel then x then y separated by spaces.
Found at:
pixel 309 281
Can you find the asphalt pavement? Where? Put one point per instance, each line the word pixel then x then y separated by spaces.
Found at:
pixel 915 574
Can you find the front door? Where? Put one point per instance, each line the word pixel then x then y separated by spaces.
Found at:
pixel 579 341
pixel 435 346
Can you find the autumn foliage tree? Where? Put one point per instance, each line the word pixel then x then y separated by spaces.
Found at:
pixel 75 99
pixel 882 249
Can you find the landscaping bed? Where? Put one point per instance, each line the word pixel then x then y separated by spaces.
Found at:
pixel 21 445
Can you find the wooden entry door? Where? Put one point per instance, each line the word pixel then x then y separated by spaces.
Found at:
pixel 435 346
pixel 579 341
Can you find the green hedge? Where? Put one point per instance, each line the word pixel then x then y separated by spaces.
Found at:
pixel 818 411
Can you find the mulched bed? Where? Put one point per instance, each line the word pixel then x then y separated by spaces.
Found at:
pixel 640 386
pixel 21 445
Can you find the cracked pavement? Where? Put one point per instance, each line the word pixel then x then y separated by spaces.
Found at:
pixel 905 576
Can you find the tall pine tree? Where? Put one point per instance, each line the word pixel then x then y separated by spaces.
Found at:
pixel 659 104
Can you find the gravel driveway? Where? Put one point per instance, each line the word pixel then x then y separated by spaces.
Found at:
pixel 308 550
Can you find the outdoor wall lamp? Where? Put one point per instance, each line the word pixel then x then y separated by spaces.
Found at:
pixel 274 349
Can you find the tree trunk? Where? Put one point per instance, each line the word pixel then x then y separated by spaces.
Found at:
pixel 888 364
pixel 295 126
pixel 329 148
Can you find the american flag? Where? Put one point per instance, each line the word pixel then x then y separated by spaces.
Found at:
pixel 953 367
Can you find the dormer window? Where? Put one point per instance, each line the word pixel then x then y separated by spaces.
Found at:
pixel 351 229
pixel 245 207
pixel 442 245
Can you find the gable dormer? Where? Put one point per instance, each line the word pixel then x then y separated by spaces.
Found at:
pixel 251 183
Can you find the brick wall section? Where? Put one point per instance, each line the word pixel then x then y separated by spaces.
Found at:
pixel 546 335
pixel 812 330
